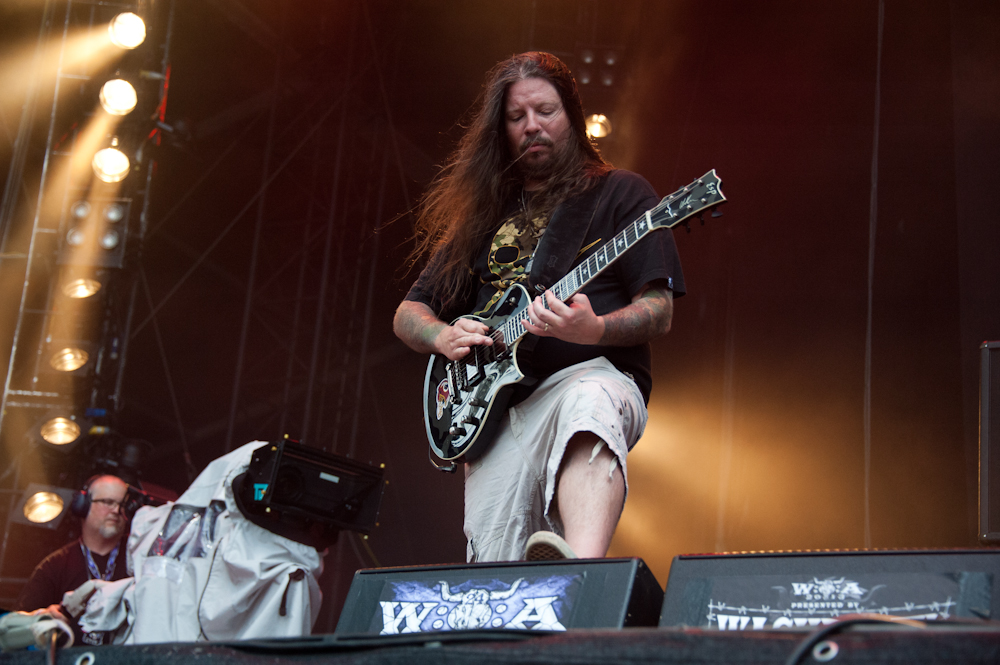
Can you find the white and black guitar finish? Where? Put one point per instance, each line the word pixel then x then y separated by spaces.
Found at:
pixel 465 399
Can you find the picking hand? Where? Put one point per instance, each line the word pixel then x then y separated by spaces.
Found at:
pixel 456 340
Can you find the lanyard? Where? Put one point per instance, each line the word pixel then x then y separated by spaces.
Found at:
pixel 95 573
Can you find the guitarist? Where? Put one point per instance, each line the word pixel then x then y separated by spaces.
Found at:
pixel 524 197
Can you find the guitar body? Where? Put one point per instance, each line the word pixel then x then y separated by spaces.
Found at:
pixel 465 399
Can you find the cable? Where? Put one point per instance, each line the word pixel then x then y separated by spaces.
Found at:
pixel 846 621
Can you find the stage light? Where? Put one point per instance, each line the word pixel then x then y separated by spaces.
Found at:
pixel 42 506
pixel 75 237
pixel 118 97
pixel 111 164
pixel 306 494
pixel 80 209
pixel 110 240
pixel 69 359
pixel 81 287
pixel 607 78
pixel 114 212
pixel 587 56
pixel 127 30
pixel 610 58
pixel 584 76
pixel 60 431
pixel 598 125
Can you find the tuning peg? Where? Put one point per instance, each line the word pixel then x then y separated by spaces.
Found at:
pixel 687 227
pixel 701 218
pixel 716 213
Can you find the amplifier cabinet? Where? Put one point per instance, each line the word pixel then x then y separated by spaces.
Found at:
pixel 788 590
pixel 543 595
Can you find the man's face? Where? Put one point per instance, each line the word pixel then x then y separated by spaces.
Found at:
pixel 537 126
pixel 104 518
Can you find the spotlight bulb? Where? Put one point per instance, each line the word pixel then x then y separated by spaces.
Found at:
pixel 43 507
pixel 598 125
pixel 114 212
pixel 59 431
pixel 68 359
pixel 81 287
pixel 80 209
pixel 127 30
pixel 111 164
pixel 118 97
pixel 109 240
pixel 75 237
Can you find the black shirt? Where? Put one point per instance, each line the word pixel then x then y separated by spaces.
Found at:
pixel 626 196
pixel 65 570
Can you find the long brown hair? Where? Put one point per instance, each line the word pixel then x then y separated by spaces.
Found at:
pixel 467 199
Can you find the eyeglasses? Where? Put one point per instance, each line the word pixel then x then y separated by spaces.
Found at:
pixel 110 504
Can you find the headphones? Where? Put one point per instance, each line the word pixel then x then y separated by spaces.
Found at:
pixel 80 505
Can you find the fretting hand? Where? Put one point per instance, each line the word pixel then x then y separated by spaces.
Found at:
pixel 571 321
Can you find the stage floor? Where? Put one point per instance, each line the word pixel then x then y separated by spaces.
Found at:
pixel 943 643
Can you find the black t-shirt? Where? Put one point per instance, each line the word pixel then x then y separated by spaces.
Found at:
pixel 501 262
pixel 65 570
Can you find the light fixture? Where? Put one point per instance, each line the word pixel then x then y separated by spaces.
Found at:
pixel 109 239
pixel 81 287
pixel 75 236
pixel 610 58
pixel 598 125
pixel 607 78
pixel 69 359
pixel 60 431
pixel 80 209
pixel 587 55
pixel 127 30
pixel 114 212
pixel 111 164
pixel 43 506
pixel 118 97
pixel 584 76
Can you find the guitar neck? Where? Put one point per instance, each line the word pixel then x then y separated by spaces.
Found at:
pixel 696 198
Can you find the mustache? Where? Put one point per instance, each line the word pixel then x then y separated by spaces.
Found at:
pixel 533 141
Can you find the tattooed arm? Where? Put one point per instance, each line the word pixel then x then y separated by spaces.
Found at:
pixel 648 316
pixel 416 324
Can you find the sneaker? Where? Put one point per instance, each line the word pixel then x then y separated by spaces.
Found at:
pixel 547 546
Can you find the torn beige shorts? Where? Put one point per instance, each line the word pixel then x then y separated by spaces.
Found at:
pixel 509 489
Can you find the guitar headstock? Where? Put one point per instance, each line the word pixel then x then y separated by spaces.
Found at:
pixel 696 199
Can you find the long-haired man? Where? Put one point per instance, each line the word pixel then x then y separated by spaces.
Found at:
pixel 525 197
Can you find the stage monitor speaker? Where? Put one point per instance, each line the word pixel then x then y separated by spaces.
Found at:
pixel 989 442
pixel 787 590
pixel 543 595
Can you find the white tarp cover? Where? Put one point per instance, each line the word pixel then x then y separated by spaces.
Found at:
pixel 203 572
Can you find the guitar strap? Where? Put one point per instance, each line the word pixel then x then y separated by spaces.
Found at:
pixel 563 237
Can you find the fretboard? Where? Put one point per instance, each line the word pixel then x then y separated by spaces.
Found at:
pixel 513 328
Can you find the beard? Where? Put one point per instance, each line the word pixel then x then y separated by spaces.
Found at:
pixel 558 160
pixel 111 529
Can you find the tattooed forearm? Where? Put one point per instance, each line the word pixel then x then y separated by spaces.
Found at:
pixel 647 317
pixel 417 326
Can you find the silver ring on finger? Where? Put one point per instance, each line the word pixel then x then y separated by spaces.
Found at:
pixel 546 328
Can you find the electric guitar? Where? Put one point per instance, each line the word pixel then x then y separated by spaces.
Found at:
pixel 465 399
